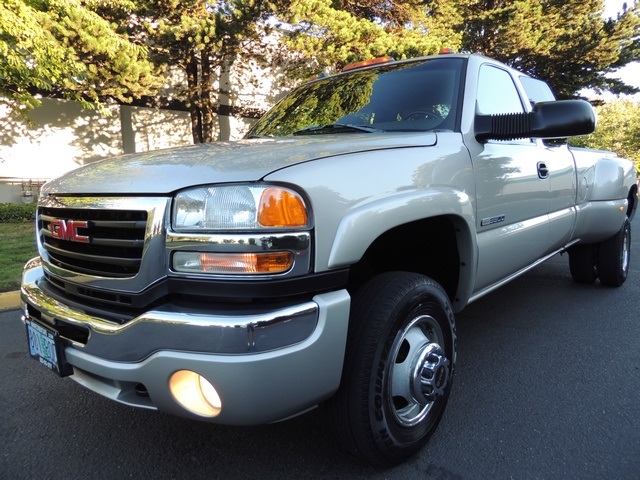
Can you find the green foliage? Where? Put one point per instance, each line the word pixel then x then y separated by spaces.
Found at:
pixel 618 130
pixel 201 39
pixel 17 212
pixel 89 50
pixel 566 43
pixel 534 36
pixel 17 247
pixel 61 46
pixel 336 35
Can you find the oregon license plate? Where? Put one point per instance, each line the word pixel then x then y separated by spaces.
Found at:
pixel 45 347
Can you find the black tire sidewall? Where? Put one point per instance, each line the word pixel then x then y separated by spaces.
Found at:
pixel 582 263
pixel 383 420
pixel 610 268
pixel 416 295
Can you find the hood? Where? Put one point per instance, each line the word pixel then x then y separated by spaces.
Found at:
pixel 166 171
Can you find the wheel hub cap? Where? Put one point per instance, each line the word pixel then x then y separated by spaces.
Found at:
pixel 431 374
pixel 420 371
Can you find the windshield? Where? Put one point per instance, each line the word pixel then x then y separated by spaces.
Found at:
pixel 413 96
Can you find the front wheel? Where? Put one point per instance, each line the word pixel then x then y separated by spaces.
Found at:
pixel 398 369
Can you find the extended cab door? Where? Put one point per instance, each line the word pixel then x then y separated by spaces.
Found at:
pixel 561 168
pixel 514 187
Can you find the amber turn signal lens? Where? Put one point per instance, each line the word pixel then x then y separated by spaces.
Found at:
pixel 246 263
pixel 366 63
pixel 280 207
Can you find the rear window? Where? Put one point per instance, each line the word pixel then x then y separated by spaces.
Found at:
pixel 537 90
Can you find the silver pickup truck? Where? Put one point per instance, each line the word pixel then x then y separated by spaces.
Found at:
pixel 321 259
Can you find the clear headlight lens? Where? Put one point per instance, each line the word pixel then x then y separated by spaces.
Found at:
pixel 238 207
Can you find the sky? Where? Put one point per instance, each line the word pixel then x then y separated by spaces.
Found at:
pixel 612 7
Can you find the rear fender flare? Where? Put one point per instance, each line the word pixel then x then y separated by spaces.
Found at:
pixel 611 179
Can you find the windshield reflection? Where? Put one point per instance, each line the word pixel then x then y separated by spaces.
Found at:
pixel 409 96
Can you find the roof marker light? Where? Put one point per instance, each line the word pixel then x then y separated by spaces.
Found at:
pixel 367 63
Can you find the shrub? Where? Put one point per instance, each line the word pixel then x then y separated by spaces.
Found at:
pixel 17 212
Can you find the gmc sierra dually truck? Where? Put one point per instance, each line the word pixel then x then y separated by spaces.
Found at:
pixel 321 259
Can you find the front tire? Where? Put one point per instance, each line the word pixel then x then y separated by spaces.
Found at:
pixel 613 257
pixel 398 368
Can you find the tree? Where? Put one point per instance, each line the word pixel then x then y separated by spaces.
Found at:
pixel 91 49
pixel 202 40
pixel 567 43
pixel 205 40
pixel 618 130
pixel 62 47
pixel 332 34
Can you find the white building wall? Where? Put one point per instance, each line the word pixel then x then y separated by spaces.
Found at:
pixel 61 136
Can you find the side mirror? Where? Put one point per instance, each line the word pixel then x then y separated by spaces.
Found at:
pixel 560 119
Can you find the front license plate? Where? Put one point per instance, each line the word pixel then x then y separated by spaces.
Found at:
pixel 46 348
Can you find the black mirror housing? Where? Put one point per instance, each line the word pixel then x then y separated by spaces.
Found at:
pixel 559 119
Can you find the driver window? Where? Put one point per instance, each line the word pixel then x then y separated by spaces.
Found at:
pixel 497 93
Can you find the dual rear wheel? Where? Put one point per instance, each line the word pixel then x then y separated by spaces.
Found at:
pixel 607 260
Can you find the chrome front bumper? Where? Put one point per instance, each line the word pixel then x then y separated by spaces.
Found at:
pixel 266 364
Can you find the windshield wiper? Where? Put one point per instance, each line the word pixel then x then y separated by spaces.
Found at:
pixel 259 136
pixel 336 128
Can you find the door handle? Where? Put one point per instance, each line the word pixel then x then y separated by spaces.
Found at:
pixel 543 170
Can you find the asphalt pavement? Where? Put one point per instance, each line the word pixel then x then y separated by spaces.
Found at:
pixel 547 387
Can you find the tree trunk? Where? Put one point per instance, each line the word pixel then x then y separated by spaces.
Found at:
pixel 126 129
pixel 206 97
pixel 193 97
pixel 224 102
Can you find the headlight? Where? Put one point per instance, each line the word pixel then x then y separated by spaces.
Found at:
pixel 239 230
pixel 238 207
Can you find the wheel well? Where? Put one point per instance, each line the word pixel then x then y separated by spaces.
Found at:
pixel 428 247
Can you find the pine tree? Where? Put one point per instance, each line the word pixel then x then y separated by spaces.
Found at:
pixel 204 41
pixel 62 47
pixel 332 34
pixel 565 42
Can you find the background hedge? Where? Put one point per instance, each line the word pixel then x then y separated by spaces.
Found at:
pixel 17 212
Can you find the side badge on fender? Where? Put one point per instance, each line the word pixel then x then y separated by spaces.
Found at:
pixel 492 220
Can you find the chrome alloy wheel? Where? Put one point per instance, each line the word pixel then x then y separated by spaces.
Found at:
pixel 419 372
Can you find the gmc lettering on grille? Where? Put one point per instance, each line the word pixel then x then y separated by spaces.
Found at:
pixel 68 230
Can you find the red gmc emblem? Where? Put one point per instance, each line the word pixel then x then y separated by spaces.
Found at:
pixel 68 230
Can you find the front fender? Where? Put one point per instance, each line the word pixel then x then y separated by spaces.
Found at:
pixel 366 222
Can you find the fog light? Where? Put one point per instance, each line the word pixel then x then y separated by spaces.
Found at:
pixel 195 393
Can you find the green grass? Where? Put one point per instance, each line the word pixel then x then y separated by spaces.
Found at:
pixel 17 245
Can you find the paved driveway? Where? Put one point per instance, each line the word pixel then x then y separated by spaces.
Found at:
pixel 547 386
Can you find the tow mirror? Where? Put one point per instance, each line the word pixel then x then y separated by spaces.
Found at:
pixel 559 119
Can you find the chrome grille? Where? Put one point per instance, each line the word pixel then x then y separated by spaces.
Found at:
pixel 114 246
